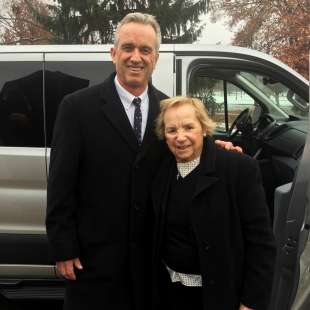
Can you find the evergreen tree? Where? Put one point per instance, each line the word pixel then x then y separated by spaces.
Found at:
pixel 94 21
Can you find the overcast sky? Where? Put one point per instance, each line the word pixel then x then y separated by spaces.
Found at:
pixel 214 33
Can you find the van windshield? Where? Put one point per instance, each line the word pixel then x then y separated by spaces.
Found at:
pixel 281 99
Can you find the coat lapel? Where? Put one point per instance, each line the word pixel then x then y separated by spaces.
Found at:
pixel 161 187
pixel 115 113
pixel 207 175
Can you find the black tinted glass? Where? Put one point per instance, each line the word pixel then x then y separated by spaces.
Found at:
pixel 62 78
pixel 21 104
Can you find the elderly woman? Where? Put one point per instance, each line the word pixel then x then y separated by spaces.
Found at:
pixel 214 246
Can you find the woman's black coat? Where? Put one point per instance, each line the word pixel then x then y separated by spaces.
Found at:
pixel 231 223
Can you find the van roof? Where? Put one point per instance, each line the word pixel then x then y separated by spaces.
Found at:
pixel 98 48
pixel 74 48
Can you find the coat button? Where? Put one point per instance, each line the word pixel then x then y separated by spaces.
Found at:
pixel 207 246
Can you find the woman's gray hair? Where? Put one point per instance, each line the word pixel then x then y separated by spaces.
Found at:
pixel 201 113
pixel 139 18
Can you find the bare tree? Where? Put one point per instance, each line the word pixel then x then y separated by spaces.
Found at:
pixel 277 27
pixel 19 26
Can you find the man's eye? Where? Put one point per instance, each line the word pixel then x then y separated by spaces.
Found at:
pixel 127 48
pixel 145 50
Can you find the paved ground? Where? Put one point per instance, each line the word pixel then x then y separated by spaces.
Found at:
pixel 30 305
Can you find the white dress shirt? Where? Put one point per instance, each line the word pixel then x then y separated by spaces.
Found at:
pixel 127 98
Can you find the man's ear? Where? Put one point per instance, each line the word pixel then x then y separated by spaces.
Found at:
pixel 112 53
pixel 156 57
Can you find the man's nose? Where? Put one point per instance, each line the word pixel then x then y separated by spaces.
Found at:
pixel 136 56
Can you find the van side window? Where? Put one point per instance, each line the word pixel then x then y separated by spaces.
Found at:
pixel 21 104
pixel 65 77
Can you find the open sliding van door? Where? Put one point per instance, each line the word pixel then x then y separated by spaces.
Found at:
pixel 291 288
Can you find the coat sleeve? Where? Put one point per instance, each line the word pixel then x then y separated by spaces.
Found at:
pixel 62 184
pixel 259 244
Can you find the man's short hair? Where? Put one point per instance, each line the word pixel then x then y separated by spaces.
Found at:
pixel 140 18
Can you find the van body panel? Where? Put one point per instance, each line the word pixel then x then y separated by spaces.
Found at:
pixel 163 77
pixel 22 190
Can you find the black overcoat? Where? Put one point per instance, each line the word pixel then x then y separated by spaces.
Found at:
pixel 97 199
pixel 231 224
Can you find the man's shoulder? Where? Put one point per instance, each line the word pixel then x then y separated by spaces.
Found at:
pixel 93 92
pixel 81 94
pixel 159 94
pixel 81 100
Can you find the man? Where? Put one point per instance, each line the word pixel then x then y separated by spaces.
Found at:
pixel 104 156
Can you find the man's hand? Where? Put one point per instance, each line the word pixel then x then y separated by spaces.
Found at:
pixel 243 307
pixel 66 268
pixel 228 146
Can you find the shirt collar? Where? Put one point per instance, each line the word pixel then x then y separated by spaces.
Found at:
pixel 125 96
pixel 186 168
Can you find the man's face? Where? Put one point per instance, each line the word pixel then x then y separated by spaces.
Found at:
pixel 135 56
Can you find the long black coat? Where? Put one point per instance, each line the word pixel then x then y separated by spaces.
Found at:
pixel 230 221
pixel 97 199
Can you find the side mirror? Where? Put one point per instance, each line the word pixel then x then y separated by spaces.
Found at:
pixel 297 101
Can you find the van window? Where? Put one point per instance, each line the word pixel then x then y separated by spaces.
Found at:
pixel 65 77
pixel 280 98
pixel 212 92
pixel 227 92
pixel 21 104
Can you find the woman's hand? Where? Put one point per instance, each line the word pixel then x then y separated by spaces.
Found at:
pixel 243 307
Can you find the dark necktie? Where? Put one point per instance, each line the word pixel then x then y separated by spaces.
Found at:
pixel 137 118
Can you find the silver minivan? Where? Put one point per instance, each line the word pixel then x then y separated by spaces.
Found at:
pixel 258 103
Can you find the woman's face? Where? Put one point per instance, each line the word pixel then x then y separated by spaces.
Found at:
pixel 183 132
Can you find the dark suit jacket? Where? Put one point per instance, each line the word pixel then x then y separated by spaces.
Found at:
pixel 97 198
pixel 231 224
